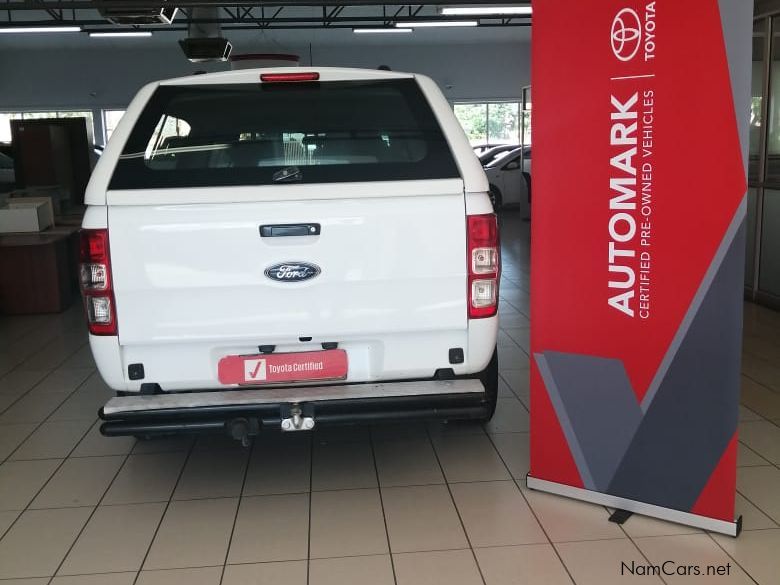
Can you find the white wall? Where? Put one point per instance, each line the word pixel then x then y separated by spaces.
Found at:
pixel 80 78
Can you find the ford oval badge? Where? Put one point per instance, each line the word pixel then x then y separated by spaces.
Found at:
pixel 292 271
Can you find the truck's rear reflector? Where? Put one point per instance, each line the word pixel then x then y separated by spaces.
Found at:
pixel 288 77
pixel 484 265
pixel 96 285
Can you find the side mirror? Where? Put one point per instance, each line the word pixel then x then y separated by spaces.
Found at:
pixel 513 166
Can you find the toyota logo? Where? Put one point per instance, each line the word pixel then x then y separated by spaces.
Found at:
pixel 626 34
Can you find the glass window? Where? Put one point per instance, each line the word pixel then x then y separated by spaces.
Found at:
pixel 489 123
pixel 526 116
pixel 773 128
pixel 110 121
pixel 473 119
pixel 756 102
pixel 503 122
pixel 6 117
pixel 192 136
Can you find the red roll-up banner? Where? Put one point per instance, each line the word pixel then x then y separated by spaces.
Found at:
pixel 638 246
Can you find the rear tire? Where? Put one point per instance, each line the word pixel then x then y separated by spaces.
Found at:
pixel 495 197
pixel 489 379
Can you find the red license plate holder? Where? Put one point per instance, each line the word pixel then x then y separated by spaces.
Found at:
pixel 279 368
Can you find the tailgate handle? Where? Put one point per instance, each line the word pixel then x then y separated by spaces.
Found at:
pixel 289 229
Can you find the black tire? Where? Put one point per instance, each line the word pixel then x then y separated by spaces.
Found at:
pixel 489 379
pixel 495 197
pixel 527 178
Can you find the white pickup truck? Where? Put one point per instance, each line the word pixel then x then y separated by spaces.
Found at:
pixel 288 247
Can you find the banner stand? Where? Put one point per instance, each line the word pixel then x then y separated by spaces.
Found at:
pixel 704 522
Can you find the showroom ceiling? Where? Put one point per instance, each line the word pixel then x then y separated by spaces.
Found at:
pixel 101 15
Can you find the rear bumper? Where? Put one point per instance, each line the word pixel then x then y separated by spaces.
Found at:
pixel 293 408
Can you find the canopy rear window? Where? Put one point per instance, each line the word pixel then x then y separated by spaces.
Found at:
pixel 262 134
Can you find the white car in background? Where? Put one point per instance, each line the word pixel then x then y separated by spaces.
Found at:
pixel 284 247
pixel 510 180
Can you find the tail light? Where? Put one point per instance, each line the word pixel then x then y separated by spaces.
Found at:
pixel 289 77
pixel 96 285
pixel 484 265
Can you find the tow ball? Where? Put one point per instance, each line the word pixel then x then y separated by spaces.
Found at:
pixel 295 419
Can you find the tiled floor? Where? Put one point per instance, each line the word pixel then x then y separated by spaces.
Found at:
pixel 406 504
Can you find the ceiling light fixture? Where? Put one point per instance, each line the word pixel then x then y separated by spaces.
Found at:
pixel 40 29
pixel 139 33
pixel 436 23
pixel 380 30
pixel 487 10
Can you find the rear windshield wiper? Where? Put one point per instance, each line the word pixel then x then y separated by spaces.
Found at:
pixel 287 175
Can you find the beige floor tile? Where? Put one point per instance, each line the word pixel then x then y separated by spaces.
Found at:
pixel 341 434
pixel 469 458
pixel 21 480
pixel 374 570
pixel 201 576
pixel 745 414
pixel 535 564
pixel 347 523
pixel 213 474
pixel 163 444
pixel 443 428
pixel 694 550
pixel 513 449
pixel 79 482
pixel 605 562
pixel 11 436
pixel 146 478
pixel 39 540
pixel 504 391
pixel 760 399
pixel 31 408
pixel 207 525
pixel 756 552
pixel 271 528
pixel 19 381
pixel 496 514
pixel 94 444
pixel 53 440
pixel 510 417
pixel 85 402
pixel 104 579
pixel 453 567
pixel 115 539
pixel 763 437
pixel 33 581
pixel 761 485
pixel 6 519
pixel 746 457
pixel 279 467
pixel 398 431
pixel 422 518
pixel 289 573
pixel 567 520
pixel 517 379
pixel 62 382
pixel 407 462
pixel 342 465
pixel 752 517
pixel 512 356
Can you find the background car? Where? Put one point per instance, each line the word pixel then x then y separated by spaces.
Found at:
pixel 492 154
pixel 510 180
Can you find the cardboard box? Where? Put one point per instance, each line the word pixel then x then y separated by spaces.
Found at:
pixel 27 214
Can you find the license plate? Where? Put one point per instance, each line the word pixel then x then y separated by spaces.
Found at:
pixel 274 368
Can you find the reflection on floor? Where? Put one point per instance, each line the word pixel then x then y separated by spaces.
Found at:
pixel 406 504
